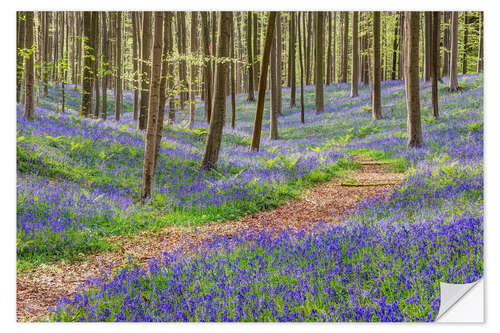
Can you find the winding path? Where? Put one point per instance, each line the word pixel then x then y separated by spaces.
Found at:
pixel 40 288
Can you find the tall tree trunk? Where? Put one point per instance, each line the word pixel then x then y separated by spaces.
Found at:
pixel 308 47
pixel 479 68
pixel 145 69
pixel 279 75
pixel 446 44
pixel 329 51
pixel 105 66
pixel 87 74
pixel 255 49
pixel 169 20
pixel 355 56
pixel 21 23
pixel 454 52
pixel 414 122
pixel 118 84
pixel 465 43
pixel 181 46
pixel 427 45
pixel 435 62
pixel 251 96
pixel 301 62
pixel 154 101
pixel 273 115
pixel 345 47
pixel 232 74
pixel 28 67
pixel 194 69
pixel 214 138
pixel 401 48
pixel 135 55
pixel 395 50
pixel 95 20
pixel 291 64
pixel 257 128
pixel 376 93
pixel 334 49
pixel 207 70
pixel 319 63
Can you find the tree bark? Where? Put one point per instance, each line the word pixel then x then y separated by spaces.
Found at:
pixel 395 50
pixel 427 45
pixel 302 115
pixel 135 64
pixel 87 74
pixel 329 51
pixel 182 49
pixel 412 23
pixel 435 62
pixel 232 74
pixel 291 64
pixel 376 93
pixel 345 47
pixel 446 44
pixel 257 128
pixel 118 82
pixel 194 69
pixel 154 99
pixel 95 20
pixel 273 115
pixel 355 55
pixel 28 67
pixel 214 138
pixel 207 72
pixel 251 96
pixel 479 68
pixel 454 52
pixel 319 63
pixel 105 66
pixel 145 69
pixel 465 43
pixel 21 23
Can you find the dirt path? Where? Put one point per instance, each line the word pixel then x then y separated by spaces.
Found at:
pixel 40 288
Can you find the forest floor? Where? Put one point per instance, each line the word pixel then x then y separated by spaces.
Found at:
pixel 39 289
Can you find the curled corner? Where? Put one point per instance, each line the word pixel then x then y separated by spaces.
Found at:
pixel 450 294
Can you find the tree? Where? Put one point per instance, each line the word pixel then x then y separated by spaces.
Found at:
pixel 446 44
pixel 105 66
pixel 480 48
pixel 145 69
pixel 154 101
pixel 233 79
pixel 95 37
pixel 345 47
pixel 395 49
pixel 329 51
pixel 465 43
pixel 355 56
pixel 275 82
pixel 301 65
pixel 19 53
pixel 207 70
pixel 135 63
pixel 435 62
pixel 291 64
pixel 118 63
pixel 182 49
pixel 376 93
pixel 28 67
pixel 318 76
pixel 454 52
pixel 214 138
pixel 251 96
pixel 257 128
pixel 414 122
pixel 194 68
pixel 427 45
pixel 87 68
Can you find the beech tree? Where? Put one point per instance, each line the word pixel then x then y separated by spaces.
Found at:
pixel 454 52
pixel 257 127
pixel 414 121
pixel 28 67
pixel 291 64
pixel 214 138
pixel 207 70
pixel 301 65
pixel 251 96
pixel 355 56
pixel 87 67
pixel 319 63
pixel 435 62
pixel 145 70
pixel 376 93
pixel 273 114
pixel 118 62
pixel 154 101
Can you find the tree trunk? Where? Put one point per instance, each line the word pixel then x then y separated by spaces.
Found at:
pixel 454 52
pixel 273 115
pixel 169 20
pixel 255 50
pixel 301 61
pixel 232 74
pixel 412 22
pixel 446 44
pixel 334 49
pixel 435 62
pixel 480 48
pixel 291 64
pixel 465 43
pixel 401 47
pixel 345 47
pixel 257 128
pixel 376 93
pixel 182 49
pixel 118 84
pixel 21 23
pixel 105 67
pixel 319 63
pixel 214 138
pixel 135 64
pixel 87 74
pixel 145 69
pixel 95 20
pixel 395 51
pixel 251 96
pixel 308 43
pixel 207 72
pixel 194 69
pixel 329 51
pixel 154 100
pixel 28 67
pixel 355 56
pixel 279 75
pixel 427 45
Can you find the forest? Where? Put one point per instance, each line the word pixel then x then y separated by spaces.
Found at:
pixel 253 166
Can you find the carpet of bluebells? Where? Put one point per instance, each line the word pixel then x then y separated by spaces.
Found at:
pixel 383 263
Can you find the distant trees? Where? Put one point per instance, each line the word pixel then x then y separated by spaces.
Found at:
pixel 414 122
pixel 212 146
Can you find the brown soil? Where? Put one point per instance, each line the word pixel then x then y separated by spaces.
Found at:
pixel 39 289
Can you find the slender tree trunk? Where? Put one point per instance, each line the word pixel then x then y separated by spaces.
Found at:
pixel 291 65
pixel 345 47
pixel 412 23
pixel 181 46
pixel 255 49
pixel 273 115
pixel 435 62
pixel 118 84
pixel 251 96
pixel 154 99
pixel 329 51
pixel 95 20
pixel 446 44
pixel 334 50
pixel 319 63
pixel 301 61
pixel 214 138
pixel 479 68
pixel 395 51
pixel 257 128
pixel 87 75
pixel 308 43
pixel 232 74
pixel 207 72
pixel 194 68
pixel 279 75
pixel 465 43
pixel 355 56
pixel 105 66
pixel 376 94
pixel 454 52
pixel 427 45
pixel 401 48
pixel 145 69
pixel 135 54
pixel 21 22
pixel 28 67
pixel 171 67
